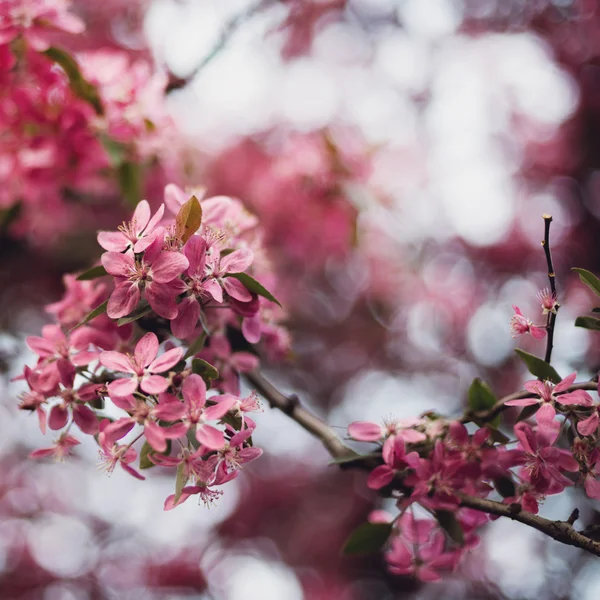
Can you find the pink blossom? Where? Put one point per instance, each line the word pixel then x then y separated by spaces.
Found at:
pixel 546 391
pixel 63 447
pixel 520 325
pixel 396 459
pixel 112 454
pixel 156 273
pixel 548 300
pixel 237 261
pixel 136 235
pixel 144 367
pixel 589 426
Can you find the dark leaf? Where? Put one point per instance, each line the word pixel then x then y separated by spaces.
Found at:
pixel 204 369
pixel 189 219
pixel 505 486
pixel 589 279
pixel 180 481
pixel 99 310
pixel 196 346
pixel 450 525
pixel 10 215
pixel 538 367
pixel 145 462
pixel 527 412
pixel 129 176
pixel 481 397
pixel 367 539
pixel 143 309
pixel 588 323
pixel 93 273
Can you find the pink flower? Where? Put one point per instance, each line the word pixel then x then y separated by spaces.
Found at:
pixel 62 448
pixel 143 365
pixel 196 413
pixel 37 397
pixel 112 454
pixel 546 391
pixel 236 262
pixel 396 460
pixel 589 426
pixel 136 235
pixel 156 273
pixel 520 325
pixel 548 300
pixel 543 462
pixel 366 431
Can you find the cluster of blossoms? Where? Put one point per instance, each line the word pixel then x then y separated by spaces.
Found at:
pixel 439 464
pixel 183 279
pixel 521 325
pixel 76 127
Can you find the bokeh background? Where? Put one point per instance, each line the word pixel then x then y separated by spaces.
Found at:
pixel 400 155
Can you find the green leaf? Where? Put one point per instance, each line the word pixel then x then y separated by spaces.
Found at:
pixel 129 176
pixel 81 87
pixel 367 539
pixel 93 273
pixel 528 411
pixel 180 481
pixel 353 456
pixel 10 215
pixel 505 486
pixel 188 220
pixel 145 462
pixel 254 286
pixel 589 279
pixel 498 436
pixel 196 346
pixel 538 367
pixel 99 310
pixel 117 151
pixel 143 309
pixel 204 369
pixel 481 397
pixel 588 323
pixel 450 525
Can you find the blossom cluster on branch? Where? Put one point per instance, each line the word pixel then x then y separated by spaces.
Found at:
pixel 182 279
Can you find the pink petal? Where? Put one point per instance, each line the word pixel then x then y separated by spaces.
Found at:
pixel 380 477
pixel 113 241
pixel 236 289
pixel 194 390
pixel 209 436
pixel 154 384
pixel 251 329
pixel 168 266
pixel 117 430
pixel 40 346
pixel 365 431
pixel 580 397
pixel 85 419
pixel 155 220
pixel 195 251
pixel 116 361
pixel 122 387
pixel 141 216
pixel 155 436
pixel 589 426
pixel 81 359
pixel 146 349
pixel 244 361
pixel 175 197
pixel 188 313
pixel 222 407
pixel 566 383
pixel 167 361
pixel 162 300
pixel 537 332
pixel 236 262
pixel 523 402
pixel 117 264
pixel 58 417
pixel 170 411
pixel 123 300
pixel 212 287
pixel 148 239
pixel 592 487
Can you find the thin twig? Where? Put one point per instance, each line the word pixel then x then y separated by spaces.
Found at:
pixel 552 278
pixel 176 83
pixel 561 531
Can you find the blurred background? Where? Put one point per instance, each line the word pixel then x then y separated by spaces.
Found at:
pixel 400 155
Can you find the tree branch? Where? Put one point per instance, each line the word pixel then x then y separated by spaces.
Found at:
pixel 552 278
pixel 561 531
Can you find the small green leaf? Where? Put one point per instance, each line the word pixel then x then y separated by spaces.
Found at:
pixel 589 279
pixel 99 310
pixel 129 176
pixel 527 412
pixel 117 151
pixel 481 397
pixel 538 367
pixel 254 286
pixel 143 309
pixel 180 481
pixel 588 323
pixel 498 436
pixel 204 369
pixel 353 456
pixel 196 346
pixel 81 87
pixel 450 525
pixel 93 273
pixel 367 539
pixel 145 462
pixel 189 219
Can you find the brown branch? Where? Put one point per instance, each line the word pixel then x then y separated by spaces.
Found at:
pixel 552 278
pixel 561 531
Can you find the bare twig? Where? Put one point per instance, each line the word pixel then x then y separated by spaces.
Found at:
pixel 552 278
pixel 176 83
pixel 561 531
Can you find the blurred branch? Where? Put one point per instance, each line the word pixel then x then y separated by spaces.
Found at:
pixel 561 531
pixel 551 276
pixel 176 83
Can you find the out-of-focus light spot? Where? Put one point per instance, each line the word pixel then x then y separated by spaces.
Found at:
pixel 431 19
pixel 63 545
pixel 341 43
pixel 308 95
pixel 488 335
pixel 253 578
